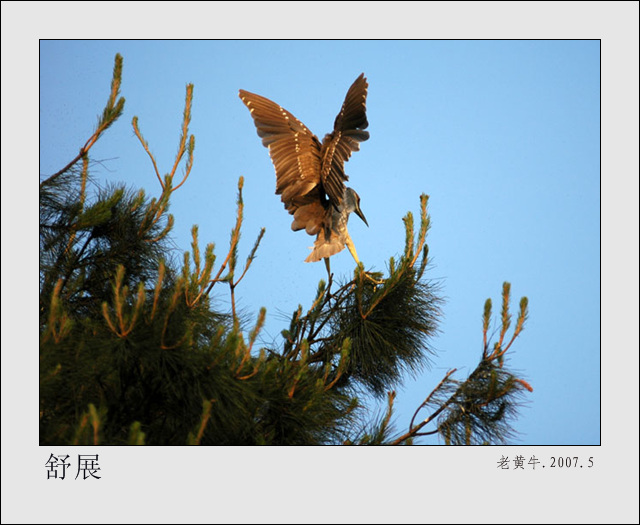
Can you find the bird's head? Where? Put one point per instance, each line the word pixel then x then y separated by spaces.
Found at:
pixel 352 204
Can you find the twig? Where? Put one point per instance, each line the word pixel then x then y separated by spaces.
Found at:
pixel 413 431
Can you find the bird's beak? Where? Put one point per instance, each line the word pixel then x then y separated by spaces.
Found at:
pixel 361 215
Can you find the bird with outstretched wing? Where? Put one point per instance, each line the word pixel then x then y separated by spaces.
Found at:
pixel 310 177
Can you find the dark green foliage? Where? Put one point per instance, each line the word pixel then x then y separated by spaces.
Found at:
pixel 482 408
pixel 388 326
pixel 132 352
pixel 378 431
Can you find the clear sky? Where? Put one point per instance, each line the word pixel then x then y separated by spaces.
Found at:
pixel 503 135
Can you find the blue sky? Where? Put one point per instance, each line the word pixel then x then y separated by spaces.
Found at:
pixel 503 135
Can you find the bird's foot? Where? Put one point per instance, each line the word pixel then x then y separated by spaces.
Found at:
pixel 374 277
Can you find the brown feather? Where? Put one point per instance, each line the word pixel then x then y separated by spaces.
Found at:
pixel 323 247
pixel 348 131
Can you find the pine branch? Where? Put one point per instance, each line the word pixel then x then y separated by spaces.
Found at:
pixel 414 431
pixel 112 111
pixel 480 408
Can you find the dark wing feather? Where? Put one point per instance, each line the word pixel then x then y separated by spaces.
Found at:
pixel 294 150
pixel 348 132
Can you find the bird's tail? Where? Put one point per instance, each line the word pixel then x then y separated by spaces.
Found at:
pixel 324 247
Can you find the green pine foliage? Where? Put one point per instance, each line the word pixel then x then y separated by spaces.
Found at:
pixel 132 351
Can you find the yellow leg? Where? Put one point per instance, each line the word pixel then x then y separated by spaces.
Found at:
pixel 328 266
pixel 352 249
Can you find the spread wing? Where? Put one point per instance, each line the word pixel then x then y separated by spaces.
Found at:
pixel 348 132
pixel 294 150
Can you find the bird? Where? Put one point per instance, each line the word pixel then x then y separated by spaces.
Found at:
pixel 310 177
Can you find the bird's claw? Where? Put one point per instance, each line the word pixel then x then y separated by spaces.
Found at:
pixel 373 277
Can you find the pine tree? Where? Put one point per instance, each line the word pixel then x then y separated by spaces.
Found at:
pixel 133 352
